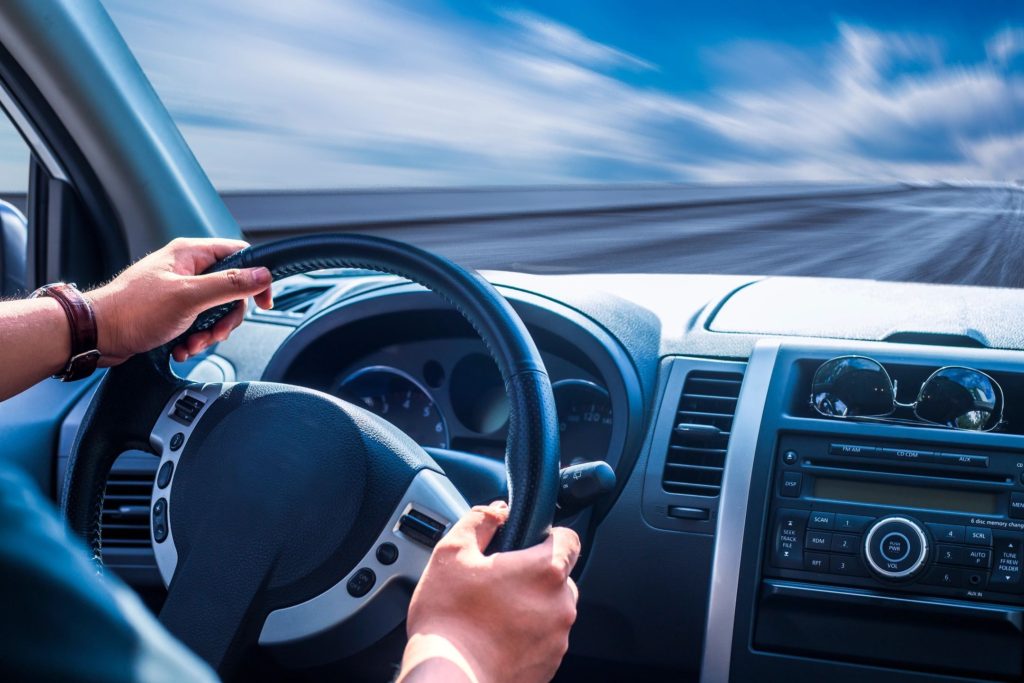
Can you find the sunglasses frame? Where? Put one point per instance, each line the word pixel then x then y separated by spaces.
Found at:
pixel 887 417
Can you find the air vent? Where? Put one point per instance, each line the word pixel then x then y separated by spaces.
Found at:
pixel 298 300
pixel 696 452
pixel 125 520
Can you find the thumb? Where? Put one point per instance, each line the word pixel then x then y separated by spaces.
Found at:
pixel 213 289
pixel 478 526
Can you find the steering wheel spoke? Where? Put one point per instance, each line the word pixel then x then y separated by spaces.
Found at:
pixel 385 576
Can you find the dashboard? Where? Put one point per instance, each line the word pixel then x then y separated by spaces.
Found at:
pixel 748 536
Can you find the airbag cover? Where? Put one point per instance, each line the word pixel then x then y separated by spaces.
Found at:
pixel 296 482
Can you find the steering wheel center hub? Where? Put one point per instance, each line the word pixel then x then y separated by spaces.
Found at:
pixel 291 495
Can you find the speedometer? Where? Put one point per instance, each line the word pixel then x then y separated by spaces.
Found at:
pixel 584 420
pixel 399 399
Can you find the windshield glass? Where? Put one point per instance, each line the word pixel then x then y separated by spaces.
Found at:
pixel 335 94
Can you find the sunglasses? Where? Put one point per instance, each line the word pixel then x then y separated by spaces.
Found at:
pixel 860 387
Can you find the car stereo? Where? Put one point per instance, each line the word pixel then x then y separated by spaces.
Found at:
pixel 889 517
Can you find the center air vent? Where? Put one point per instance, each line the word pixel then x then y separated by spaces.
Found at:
pixel 696 451
pixel 125 520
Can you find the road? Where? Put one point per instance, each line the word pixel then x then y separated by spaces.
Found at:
pixel 958 235
pixel 927 233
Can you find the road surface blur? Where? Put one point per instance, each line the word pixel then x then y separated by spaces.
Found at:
pixel 958 235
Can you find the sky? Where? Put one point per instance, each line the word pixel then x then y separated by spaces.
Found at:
pixel 311 94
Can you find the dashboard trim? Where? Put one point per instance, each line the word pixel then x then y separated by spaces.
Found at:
pixel 732 516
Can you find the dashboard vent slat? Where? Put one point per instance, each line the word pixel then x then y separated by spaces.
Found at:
pixel 696 452
pixel 298 300
pixel 125 517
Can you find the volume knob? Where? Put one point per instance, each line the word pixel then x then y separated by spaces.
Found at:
pixel 896 548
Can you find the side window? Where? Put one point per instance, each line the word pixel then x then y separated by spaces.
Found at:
pixel 14 174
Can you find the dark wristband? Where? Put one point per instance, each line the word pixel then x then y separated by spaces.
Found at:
pixel 82 321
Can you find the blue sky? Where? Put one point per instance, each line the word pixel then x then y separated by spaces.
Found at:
pixel 331 93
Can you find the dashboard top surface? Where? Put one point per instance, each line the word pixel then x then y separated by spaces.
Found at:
pixel 723 316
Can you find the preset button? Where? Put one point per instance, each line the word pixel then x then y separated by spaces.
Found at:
pixel 845 543
pixel 848 565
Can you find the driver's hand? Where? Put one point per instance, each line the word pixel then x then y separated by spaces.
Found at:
pixel 490 618
pixel 157 298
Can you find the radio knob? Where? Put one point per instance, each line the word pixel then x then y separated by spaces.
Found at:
pixel 896 548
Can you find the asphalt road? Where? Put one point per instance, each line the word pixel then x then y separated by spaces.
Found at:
pixel 958 235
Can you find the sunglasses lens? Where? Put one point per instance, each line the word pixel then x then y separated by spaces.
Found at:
pixel 961 398
pixel 852 387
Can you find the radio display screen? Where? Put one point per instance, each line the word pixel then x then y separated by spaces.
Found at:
pixel 951 500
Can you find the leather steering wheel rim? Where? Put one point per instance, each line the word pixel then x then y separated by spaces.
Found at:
pixel 122 412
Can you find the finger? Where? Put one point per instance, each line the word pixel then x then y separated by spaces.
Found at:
pixel 204 252
pixel 575 590
pixel 180 353
pixel 478 526
pixel 226 286
pixel 565 548
pixel 225 325
pixel 265 299
pixel 197 343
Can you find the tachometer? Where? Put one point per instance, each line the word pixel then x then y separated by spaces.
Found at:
pixel 584 420
pixel 399 399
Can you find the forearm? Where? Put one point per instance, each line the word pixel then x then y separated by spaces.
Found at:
pixel 35 342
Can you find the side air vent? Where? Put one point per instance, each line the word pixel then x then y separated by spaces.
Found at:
pixel 696 451
pixel 125 520
pixel 298 300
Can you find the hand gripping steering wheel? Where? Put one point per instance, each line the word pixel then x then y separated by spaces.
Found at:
pixel 286 516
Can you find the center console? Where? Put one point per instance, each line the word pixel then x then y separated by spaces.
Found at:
pixel 854 550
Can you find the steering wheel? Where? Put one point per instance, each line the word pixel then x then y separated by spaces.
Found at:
pixel 286 516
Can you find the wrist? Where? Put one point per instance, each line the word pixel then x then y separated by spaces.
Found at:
pixel 454 645
pixel 433 657
pixel 57 347
pixel 80 317
pixel 107 337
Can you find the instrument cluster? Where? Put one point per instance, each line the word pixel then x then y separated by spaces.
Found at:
pixel 450 395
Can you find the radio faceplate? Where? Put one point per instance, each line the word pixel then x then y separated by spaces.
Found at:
pixel 897 518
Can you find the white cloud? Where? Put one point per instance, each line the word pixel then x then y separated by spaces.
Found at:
pixel 567 42
pixel 326 93
pixel 1005 45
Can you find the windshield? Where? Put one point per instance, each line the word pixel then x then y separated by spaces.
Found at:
pixel 328 94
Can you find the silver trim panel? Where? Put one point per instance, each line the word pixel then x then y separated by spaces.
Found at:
pixel 732 513
pixel 430 492
pixel 160 438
